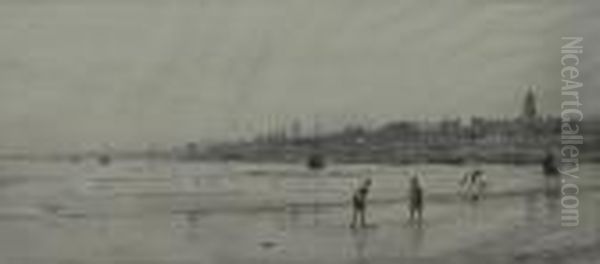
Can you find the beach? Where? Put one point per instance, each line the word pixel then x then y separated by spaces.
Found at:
pixel 172 212
pixel 177 131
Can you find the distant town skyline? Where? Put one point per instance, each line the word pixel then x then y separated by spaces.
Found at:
pixel 135 74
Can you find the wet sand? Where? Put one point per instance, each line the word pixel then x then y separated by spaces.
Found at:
pixel 240 213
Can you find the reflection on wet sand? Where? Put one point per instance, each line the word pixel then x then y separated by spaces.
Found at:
pixel 531 208
pixel 417 239
pixel 360 238
pixel 539 206
pixel 157 219
pixel 552 205
pixel 411 238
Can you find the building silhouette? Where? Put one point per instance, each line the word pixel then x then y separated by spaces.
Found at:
pixel 530 109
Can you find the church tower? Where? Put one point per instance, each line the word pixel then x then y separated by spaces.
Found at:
pixel 530 109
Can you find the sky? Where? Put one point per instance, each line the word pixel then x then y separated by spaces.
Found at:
pixel 129 74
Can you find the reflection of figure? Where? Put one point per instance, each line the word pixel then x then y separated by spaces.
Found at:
pixel 359 203
pixel 417 236
pixel 360 244
pixel 552 205
pixel 531 210
pixel 415 206
pixel 473 185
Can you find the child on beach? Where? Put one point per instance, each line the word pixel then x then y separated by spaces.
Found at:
pixel 415 206
pixel 359 203
pixel 551 173
pixel 473 185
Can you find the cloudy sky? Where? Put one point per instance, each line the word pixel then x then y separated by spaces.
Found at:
pixel 83 74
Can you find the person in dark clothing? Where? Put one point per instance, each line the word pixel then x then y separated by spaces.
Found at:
pixel 551 173
pixel 415 206
pixel 549 166
pixel 359 204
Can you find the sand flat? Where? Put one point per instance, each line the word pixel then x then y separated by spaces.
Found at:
pixel 235 216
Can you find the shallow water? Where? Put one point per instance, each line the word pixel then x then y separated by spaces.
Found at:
pixel 161 212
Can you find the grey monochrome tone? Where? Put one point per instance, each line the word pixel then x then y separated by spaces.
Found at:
pixel 262 131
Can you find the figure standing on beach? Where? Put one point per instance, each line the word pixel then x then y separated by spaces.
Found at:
pixel 473 184
pixel 551 172
pixel 415 206
pixel 359 204
pixel 549 165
